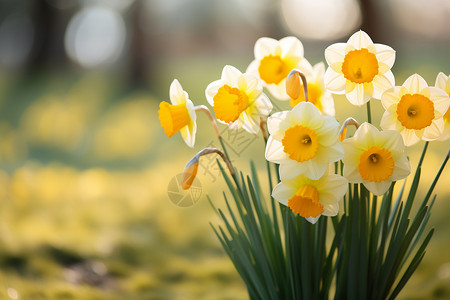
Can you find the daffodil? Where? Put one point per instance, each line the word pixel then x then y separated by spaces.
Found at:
pixel 303 142
pixel 415 110
pixel 180 115
pixel 443 82
pixel 375 158
pixel 359 68
pixel 317 93
pixel 274 60
pixel 238 100
pixel 312 198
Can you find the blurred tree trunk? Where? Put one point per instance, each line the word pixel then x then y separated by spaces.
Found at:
pixel 371 20
pixel 140 60
pixel 49 24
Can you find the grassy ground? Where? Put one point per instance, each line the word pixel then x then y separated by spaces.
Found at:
pixel 84 211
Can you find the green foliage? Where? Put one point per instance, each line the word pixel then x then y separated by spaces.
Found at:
pixel 370 251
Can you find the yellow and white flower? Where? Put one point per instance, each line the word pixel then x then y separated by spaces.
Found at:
pixel 375 158
pixel 274 60
pixel 359 68
pixel 443 82
pixel 303 142
pixel 312 198
pixel 238 100
pixel 415 110
pixel 317 93
pixel 180 115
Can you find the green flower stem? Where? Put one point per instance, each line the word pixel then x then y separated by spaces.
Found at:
pixel 235 178
pixel 369 115
pixel 436 178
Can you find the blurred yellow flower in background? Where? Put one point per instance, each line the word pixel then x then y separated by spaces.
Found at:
pixel 303 141
pixel 312 198
pixel 274 60
pixel 238 100
pixel 375 158
pixel 359 68
pixel 180 115
pixel 443 82
pixel 415 110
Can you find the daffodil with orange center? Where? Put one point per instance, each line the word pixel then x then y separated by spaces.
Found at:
pixel 317 93
pixel 359 68
pixel 179 115
pixel 303 141
pixel 312 198
pixel 415 110
pixel 375 158
pixel 238 100
pixel 274 60
pixel 443 82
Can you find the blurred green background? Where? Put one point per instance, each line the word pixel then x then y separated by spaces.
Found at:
pixel 85 166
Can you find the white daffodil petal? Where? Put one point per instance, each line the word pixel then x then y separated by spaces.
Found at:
pixel 360 39
pixel 306 113
pixel 318 70
pixel 328 104
pixel 188 136
pixel 382 83
pixel 312 220
pixel 358 96
pixel 278 91
pixel 392 140
pixel 440 99
pixel 236 124
pixel 378 188
pixel 274 151
pixel 305 67
pixel 385 54
pixel 334 81
pixel 230 75
pixel 446 134
pixel 331 210
pixel 242 83
pixel 434 131
pixel 388 121
pixel 352 152
pixel 349 86
pixel 415 83
pixel 441 81
pixel 263 105
pixel 368 89
pixel 365 135
pixel 211 91
pixel 282 193
pixel 328 131
pixel 338 185
pixel 191 110
pixel 402 169
pixel 176 93
pixel 335 53
pixel 273 122
pixel 253 86
pixel 291 46
pixel 315 169
pixel 409 137
pixel 251 122
pixel 390 97
pixel 265 46
pixel 253 68
pixel 292 169
pixel 351 172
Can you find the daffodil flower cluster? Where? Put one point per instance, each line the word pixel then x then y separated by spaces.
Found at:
pixel 306 139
